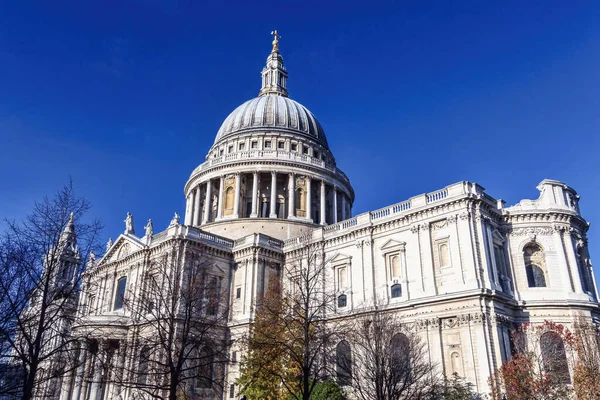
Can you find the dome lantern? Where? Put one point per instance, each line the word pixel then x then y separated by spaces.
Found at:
pixel 274 75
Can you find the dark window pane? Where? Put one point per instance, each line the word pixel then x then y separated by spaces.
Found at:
pixel 344 363
pixel 120 295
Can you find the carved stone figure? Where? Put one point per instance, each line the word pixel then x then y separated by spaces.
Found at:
pixel 175 220
pixel 149 228
pixel 109 244
pixel 129 224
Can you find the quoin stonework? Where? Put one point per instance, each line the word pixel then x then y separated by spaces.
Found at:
pixel 458 264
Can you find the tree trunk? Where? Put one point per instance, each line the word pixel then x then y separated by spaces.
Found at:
pixel 29 383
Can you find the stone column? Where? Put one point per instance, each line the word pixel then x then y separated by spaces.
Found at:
pixel 220 205
pixel 188 209
pixel 207 206
pixel 273 211
pixel 197 208
pixel 335 208
pixel 344 216
pixel 253 214
pixel 291 197
pixel 236 201
pixel 322 202
pixel 119 370
pixel 95 390
pixel 79 376
pixel 571 264
pixel 308 198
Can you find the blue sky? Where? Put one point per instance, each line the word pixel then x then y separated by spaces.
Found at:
pixel 126 97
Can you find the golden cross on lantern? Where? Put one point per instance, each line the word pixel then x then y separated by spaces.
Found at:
pixel 276 38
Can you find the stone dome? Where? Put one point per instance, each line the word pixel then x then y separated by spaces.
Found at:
pixel 272 112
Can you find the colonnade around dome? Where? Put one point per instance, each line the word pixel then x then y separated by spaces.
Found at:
pixel 267 194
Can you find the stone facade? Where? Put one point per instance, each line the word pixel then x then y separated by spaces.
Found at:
pixel 458 265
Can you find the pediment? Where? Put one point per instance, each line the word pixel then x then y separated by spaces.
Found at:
pixel 121 248
pixel 340 258
pixel 393 245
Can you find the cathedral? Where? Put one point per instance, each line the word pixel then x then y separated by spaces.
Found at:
pixel 458 264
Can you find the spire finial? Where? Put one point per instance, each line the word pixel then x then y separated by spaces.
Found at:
pixel 276 38
pixel 274 75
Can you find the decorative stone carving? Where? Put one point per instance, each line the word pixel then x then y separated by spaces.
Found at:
pixel 175 220
pixel 424 226
pixel 532 231
pixel 301 182
pixel 439 224
pixel 452 219
pixel 129 224
pixel 109 244
pixel 464 215
pixel 149 228
pixel 414 228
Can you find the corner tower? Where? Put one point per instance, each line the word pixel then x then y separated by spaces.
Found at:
pixel 270 169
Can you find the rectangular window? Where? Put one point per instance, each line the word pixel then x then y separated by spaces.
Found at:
pixel 238 293
pixel 316 154
pixel 120 295
pixel 267 144
pixel 254 145
pixel 294 146
pixel 230 149
pixel 280 145
pixel 231 391
pixel 221 152
pixel 305 150
pixel 242 146
pixel 234 356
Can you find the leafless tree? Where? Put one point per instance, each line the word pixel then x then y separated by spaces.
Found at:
pixel 390 361
pixel 180 311
pixel 41 260
pixel 301 330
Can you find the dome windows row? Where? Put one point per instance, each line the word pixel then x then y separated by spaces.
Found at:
pixel 273 143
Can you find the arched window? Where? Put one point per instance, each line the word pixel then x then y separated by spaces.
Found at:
pixel 535 276
pixel 444 255
pixel 120 294
pixel 206 367
pixel 400 358
pixel 456 363
pixel 554 358
pixel 395 266
pixel 342 301
pixel 342 281
pixel 343 356
pixel 229 200
pixel 396 290
pixel 144 360
pixel 535 265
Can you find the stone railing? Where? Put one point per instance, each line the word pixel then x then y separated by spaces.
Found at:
pixel 209 238
pixel 435 196
pixel 388 213
pixel 266 155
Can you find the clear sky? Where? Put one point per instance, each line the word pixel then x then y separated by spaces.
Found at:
pixel 126 97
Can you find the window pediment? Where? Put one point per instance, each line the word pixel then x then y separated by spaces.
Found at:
pixel 340 259
pixel 393 245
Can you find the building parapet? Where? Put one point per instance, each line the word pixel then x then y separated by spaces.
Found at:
pixel 266 155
